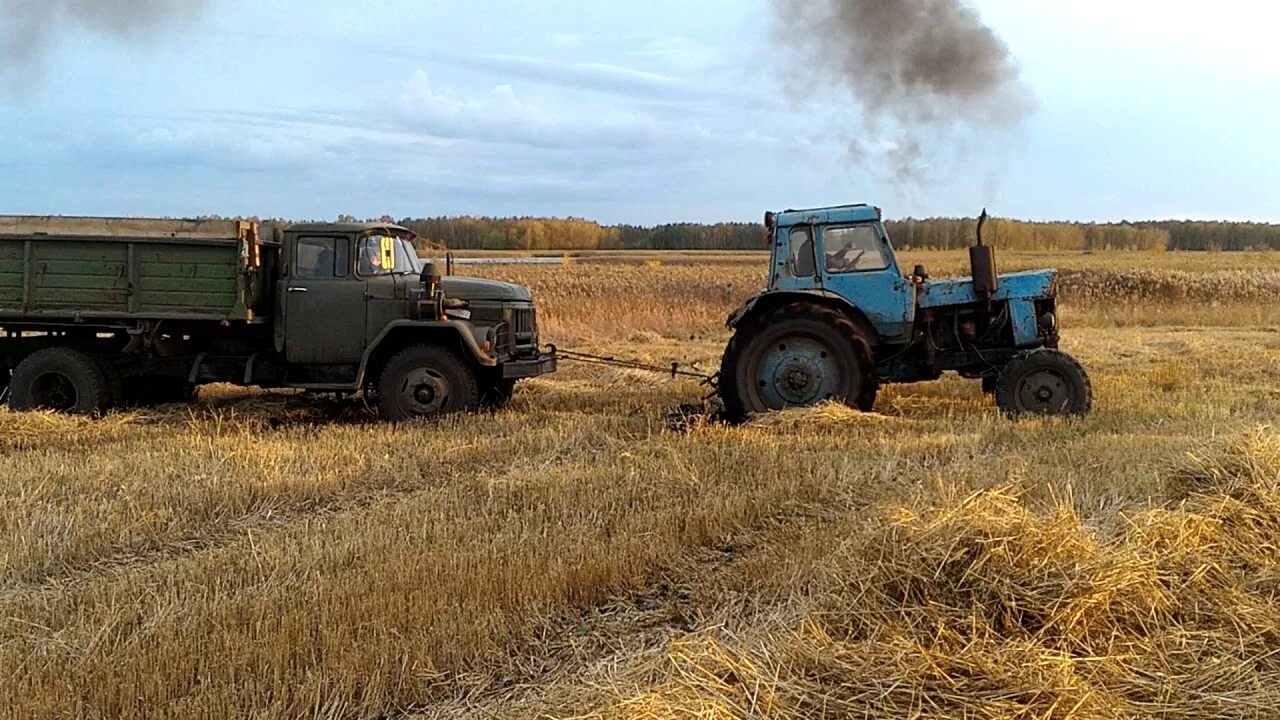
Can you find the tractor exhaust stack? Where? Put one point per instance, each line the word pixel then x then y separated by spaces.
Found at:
pixel 982 259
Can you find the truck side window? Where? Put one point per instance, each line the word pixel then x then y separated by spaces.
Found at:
pixel 320 258
pixel 853 249
pixel 802 260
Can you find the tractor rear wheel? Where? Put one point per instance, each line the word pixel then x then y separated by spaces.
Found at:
pixel 426 381
pixel 1044 382
pixel 797 355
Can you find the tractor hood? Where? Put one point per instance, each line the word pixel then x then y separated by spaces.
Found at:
pixel 470 288
pixel 1034 284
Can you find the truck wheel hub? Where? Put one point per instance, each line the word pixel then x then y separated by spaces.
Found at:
pixel 54 391
pixel 426 390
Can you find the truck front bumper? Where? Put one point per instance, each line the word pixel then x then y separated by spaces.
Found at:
pixel 521 368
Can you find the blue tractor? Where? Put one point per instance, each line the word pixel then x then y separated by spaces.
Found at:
pixel 839 319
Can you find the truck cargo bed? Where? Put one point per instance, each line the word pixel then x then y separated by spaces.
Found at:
pixel 82 268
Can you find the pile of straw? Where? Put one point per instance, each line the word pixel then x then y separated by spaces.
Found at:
pixel 984 609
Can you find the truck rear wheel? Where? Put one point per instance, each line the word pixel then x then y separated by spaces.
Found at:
pixel 60 379
pixel 794 356
pixel 426 381
pixel 1044 382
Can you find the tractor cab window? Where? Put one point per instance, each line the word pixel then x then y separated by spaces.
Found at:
pixel 802 258
pixel 853 249
pixel 387 255
pixel 321 258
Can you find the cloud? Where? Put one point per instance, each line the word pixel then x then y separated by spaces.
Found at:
pixel 501 117
pixel 597 76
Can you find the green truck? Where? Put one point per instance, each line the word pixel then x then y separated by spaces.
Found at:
pixel 97 313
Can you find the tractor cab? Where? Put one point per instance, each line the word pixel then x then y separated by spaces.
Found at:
pixel 843 252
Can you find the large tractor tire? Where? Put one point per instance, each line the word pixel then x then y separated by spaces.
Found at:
pixel 1044 382
pixel 794 356
pixel 426 381
pixel 60 379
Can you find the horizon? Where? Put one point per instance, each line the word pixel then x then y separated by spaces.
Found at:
pixel 609 113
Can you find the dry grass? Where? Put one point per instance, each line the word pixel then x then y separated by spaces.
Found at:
pixel 692 297
pixel 982 608
pixel 270 557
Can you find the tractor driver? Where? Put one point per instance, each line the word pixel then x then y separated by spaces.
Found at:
pixel 844 259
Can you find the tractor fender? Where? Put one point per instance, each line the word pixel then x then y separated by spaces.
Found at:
pixel 401 333
pixel 768 300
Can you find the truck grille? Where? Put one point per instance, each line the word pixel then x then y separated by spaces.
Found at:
pixel 524 329
pixel 523 321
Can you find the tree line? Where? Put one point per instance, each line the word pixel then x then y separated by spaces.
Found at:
pixel 553 234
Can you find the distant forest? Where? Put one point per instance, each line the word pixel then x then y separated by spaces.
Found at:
pixel 528 233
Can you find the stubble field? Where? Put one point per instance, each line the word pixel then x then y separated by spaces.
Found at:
pixel 584 553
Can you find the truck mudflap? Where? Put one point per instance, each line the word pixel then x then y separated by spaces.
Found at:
pixel 522 368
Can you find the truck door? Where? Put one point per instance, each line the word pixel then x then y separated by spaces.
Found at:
pixel 857 262
pixel 324 303
pixel 384 266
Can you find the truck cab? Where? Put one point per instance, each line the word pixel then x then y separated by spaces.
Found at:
pixel 839 317
pixel 348 291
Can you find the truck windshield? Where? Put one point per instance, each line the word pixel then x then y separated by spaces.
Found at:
pixel 372 261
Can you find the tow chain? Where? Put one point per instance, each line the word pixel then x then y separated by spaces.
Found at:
pixel 675 370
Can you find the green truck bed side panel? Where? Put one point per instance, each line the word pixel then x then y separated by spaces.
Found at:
pixel 88 275
pixel 95 276
pixel 198 278
pixel 11 275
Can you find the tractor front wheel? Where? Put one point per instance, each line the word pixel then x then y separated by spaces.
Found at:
pixel 1044 382
pixel 796 355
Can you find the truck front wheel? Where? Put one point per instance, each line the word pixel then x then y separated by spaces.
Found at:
pixel 59 379
pixel 425 381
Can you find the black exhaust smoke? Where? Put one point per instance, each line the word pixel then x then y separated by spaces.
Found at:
pixel 28 27
pixel 927 75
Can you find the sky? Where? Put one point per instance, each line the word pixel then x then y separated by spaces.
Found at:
pixel 626 111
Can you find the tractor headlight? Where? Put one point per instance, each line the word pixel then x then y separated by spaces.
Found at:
pixel 1048 323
